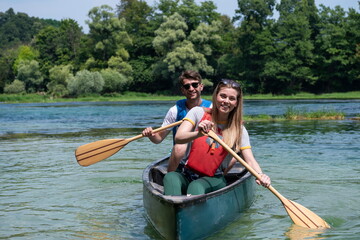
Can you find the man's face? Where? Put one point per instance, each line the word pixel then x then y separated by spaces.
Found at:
pixel 191 88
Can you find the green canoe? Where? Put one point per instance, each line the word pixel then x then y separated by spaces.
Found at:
pixel 199 216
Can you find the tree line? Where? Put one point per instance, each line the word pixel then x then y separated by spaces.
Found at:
pixel 137 47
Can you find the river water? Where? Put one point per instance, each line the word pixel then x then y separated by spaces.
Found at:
pixel 45 194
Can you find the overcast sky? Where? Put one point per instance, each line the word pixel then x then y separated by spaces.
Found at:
pixel 78 9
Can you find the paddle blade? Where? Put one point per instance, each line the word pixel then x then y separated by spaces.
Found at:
pixel 96 151
pixel 302 216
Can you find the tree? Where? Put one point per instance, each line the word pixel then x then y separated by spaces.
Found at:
pixel 46 42
pixel 179 52
pixel 289 67
pixel 7 59
pixel 192 13
pixel 138 16
pixel 353 36
pixel 108 36
pixel 68 49
pixel 25 53
pixel 253 39
pixel 59 46
pixel 29 73
pixel 19 29
pixel 113 81
pixel 170 34
pixel 59 76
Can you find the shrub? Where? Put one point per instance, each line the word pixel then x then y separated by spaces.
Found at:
pixel 85 82
pixel 16 86
pixel 59 78
pixel 113 81
pixel 29 73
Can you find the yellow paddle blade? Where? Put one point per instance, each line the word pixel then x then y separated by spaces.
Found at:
pixel 96 151
pixel 302 216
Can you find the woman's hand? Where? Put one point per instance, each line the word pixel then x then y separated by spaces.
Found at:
pixel 205 126
pixel 264 181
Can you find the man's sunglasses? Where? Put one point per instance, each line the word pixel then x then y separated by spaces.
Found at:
pixel 194 85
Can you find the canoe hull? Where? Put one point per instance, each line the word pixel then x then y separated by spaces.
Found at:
pixel 195 217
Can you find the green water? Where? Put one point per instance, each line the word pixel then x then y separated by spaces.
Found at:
pixel 45 194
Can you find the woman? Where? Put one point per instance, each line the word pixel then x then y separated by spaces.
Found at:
pixel 205 163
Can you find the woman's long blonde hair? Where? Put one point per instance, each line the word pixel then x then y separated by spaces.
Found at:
pixel 233 128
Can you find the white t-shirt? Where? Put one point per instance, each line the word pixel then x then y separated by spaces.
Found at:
pixel 171 116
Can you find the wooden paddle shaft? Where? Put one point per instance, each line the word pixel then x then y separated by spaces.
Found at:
pixel 243 162
pixel 298 214
pixel 156 130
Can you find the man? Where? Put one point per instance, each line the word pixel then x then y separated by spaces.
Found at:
pixel 191 87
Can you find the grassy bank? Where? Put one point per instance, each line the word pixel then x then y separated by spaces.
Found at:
pixel 296 114
pixel 133 96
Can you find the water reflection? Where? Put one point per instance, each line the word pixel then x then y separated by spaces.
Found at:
pixel 300 233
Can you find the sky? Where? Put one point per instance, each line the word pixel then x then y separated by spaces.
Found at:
pixel 78 9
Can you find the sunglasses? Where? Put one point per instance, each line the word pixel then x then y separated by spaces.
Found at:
pixel 194 85
pixel 232 83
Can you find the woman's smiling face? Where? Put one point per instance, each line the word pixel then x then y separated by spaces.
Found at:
pixel 226 100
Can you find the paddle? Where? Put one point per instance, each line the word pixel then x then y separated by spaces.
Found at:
pixel 299 215
pixel 96 151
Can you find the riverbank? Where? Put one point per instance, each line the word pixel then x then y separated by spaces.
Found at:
pixel 135 96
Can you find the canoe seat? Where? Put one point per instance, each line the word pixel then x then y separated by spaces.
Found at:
pixel 162 168
pixel 157 174
pixel 158 187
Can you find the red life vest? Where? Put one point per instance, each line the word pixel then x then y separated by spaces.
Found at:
pixel 206 155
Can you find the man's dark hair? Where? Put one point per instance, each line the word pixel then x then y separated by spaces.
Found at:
pixel 190 74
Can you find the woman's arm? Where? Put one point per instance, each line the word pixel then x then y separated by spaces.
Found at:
pixel 250 159
pixel 186 133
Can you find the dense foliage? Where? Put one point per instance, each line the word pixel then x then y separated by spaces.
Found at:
pixel 144 48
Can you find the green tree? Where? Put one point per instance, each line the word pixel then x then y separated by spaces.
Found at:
pixel 121 65
pixel 333 52
pixel 59 45
pixel 25 53
pixel 113 81
pixel 192 13
pixel 353 36
pixel 59 78
pixel 170 34
pixel 19 29
pixel 206 38
pixel 108 37
pixel 179 51
pixel 290 66
pixel 139 25
pixel 142 75
pixel 85 82
pixel 46 42
pixel 7 59
pixel 68 49
pixel 253 39
pixel 29 73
